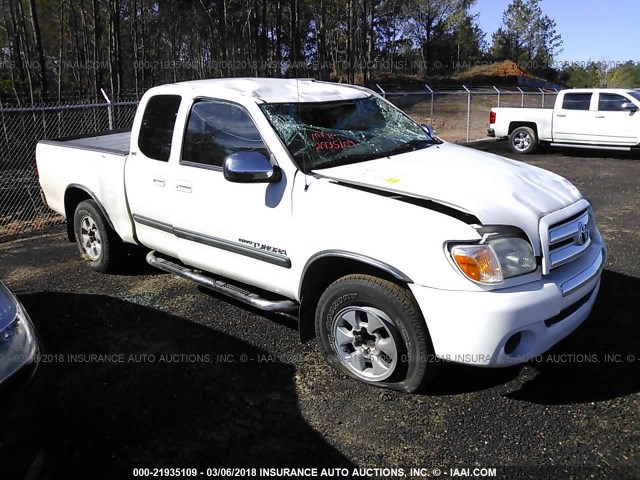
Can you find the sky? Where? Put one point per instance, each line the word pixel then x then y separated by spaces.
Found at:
pixel 591 30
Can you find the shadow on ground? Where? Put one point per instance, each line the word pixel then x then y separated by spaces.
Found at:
pixel 501 147
pixel 599 361
pixel 171 393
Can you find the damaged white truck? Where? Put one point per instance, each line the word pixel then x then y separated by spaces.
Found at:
pixel 394 248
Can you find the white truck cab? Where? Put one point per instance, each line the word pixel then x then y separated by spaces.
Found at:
pixel 394 248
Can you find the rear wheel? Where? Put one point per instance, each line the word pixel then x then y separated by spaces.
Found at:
pixel 523 140
pixel 97 242
pixel 372 330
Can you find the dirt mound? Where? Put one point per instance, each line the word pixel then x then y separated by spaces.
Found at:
pixel 506 68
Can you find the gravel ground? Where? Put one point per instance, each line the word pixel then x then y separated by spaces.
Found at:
pixel 147 370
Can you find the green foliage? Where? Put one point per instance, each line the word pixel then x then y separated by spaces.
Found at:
pixel 597 74
pixel 526 35
pixel 443 31
pixel 578 76
pixel 127 46
pixel 625 76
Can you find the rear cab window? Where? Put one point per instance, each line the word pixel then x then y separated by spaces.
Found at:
pixel 576 101
pixel 158 123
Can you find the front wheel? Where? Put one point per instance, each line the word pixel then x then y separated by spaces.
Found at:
pixel 372 330
pixel 97 242
pixel 523 140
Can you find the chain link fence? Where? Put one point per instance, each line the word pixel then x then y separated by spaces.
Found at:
pixel 462 115
pixel 22 208
pixel 456 115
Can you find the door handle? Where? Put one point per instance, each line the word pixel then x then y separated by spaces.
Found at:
pixel 600 116
pixel 184 187
pixel 563 115
pixel 158 182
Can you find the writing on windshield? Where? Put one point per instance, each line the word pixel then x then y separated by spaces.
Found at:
pixel 330 141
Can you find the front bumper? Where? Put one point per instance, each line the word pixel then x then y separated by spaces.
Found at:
pixel 506 327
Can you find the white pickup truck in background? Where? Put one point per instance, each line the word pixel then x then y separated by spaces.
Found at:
pixel 325 200
pixel 585 118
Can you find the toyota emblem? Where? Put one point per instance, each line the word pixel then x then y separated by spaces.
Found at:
pixel 583 234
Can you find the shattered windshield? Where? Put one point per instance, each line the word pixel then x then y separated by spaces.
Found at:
pixel 329 134
pixel 635 94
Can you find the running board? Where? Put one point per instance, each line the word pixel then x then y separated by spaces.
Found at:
pixel 591 147
pixel 221 286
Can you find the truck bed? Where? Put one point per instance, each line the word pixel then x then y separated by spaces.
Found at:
pixel 93 164
pixel 542 118
pixel 108 142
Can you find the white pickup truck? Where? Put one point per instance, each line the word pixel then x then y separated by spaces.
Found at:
pixel 394 248
pixel 585 118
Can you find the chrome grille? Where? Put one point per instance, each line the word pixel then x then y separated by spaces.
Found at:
pixel 570 238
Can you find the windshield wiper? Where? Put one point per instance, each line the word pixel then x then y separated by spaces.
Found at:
pixel 410 146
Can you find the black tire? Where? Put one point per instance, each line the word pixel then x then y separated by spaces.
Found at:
pixel 383 313
pixel 98 244
pixel 523 140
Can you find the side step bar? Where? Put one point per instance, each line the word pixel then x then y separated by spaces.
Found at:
pixel 591 147
pixel 221 286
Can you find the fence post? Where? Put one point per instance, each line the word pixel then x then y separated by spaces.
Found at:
pixel 431 114
pixel 542 92
pixel 384 94
pixel 109 108
pixel 468 111
pixel 496 89
pixel 522 100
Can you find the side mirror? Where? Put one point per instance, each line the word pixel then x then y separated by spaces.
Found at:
pixel 631 107
pixel 429 129
pixel 250 167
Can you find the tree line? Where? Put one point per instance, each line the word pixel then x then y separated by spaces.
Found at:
pixel 57 49
pixel 602 74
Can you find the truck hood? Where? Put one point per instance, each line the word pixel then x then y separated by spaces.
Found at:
pixel 497 190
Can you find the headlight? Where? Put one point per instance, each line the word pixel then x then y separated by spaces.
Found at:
pixel 498 258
